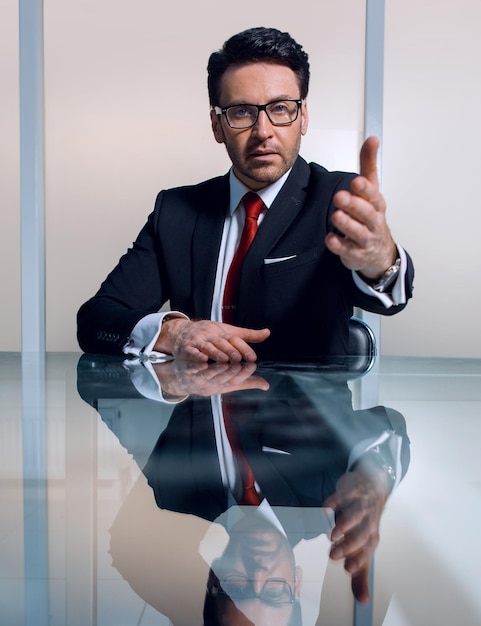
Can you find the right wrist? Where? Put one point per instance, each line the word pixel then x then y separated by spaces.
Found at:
pixel 165 340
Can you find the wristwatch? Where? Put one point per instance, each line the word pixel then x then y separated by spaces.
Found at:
pixel 374 458
pixel 387 279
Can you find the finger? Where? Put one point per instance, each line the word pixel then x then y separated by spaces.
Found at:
pixel 350 252
pixel 331 502
pixel 352 546
pixel 220 373
pixel 192 354
pixel 338 245
pixel 235 375
pixel 250 335
pixel 243 348
pixel 254 382
pixel 189 368
pixel 368 160
pixel 225 346
pixel 363 204
pixel 361 187
pixel 358 223
pixel 350 518
pixel 243 373
pixel 360 585
pixel 215 348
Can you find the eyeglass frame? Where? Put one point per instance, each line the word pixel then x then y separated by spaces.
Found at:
pixel 260 107
pixel 217 590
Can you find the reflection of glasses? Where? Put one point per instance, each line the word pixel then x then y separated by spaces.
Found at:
pixel 279 112
pixel 275 591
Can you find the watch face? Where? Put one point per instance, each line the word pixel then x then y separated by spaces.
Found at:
pixel 388 277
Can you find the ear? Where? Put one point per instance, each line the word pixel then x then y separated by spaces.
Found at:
pixel 217 127
pixel 299 577
pixel 304 117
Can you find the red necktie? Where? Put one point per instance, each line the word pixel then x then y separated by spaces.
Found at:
pixel 249 494
pixel 253 206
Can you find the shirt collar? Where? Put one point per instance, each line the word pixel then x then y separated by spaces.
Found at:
pixel 267 194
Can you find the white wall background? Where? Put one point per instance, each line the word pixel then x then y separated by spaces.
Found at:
pixel 432 139
pixel 127 115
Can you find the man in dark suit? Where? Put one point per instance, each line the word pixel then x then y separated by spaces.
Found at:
pixel 322 246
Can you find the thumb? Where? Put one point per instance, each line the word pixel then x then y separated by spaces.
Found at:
pixel 249 334
pixel 368 160
pixel 257 336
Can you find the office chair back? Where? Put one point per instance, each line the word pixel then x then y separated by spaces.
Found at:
pixel 362 346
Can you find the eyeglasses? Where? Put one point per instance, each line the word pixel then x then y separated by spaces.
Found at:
pixel 275 591
pixel 279 112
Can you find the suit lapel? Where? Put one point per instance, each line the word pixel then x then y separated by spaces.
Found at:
pixel 206 243
pixel 283 211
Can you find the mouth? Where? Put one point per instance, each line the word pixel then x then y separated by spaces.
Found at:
pixel 263 155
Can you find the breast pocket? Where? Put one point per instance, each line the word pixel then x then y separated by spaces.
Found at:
pixel 281 264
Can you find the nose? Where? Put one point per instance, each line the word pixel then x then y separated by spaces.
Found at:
pixel 258 578
pixel 263 127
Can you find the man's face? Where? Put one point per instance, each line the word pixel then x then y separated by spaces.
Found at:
pixel 261 154
pixel 257 552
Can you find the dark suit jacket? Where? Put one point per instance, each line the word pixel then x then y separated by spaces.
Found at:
pixel 305 301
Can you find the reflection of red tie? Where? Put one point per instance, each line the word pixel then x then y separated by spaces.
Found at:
pixel 249 493
pixel 253 206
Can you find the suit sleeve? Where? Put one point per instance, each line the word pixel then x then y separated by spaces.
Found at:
pixel 136 287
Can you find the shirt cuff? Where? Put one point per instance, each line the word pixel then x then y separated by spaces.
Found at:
pixel 397 294
pixel 145 333
pixel 392 440
pixel 145 381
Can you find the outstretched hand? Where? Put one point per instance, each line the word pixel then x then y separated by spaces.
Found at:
pixel 358 504
pixel 367 245
pixel 203 340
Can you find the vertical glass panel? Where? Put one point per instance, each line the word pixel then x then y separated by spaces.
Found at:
pixel 9 177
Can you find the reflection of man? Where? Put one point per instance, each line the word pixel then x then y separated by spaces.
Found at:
pixel 255 580
pixel 304 443
pixel 322 246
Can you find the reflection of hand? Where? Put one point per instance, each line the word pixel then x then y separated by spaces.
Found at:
pixel 183 378
pixel 367 245
pixel 358 504
pixel 203 340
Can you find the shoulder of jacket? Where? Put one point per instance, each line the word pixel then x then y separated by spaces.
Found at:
pixel 204 187
pixel 318 171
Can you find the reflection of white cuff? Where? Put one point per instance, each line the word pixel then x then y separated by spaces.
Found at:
pixel 145 333
pixel 145 380
pixel 394 443
pixel 397 294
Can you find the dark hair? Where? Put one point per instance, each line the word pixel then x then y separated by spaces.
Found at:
pixel 213 611
pixel 256 45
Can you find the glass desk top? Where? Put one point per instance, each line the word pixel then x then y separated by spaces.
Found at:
pixel 134 494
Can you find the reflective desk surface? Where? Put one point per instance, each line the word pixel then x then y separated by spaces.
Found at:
pixel 124 497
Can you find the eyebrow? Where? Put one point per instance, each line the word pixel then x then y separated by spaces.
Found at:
pixel 236 102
